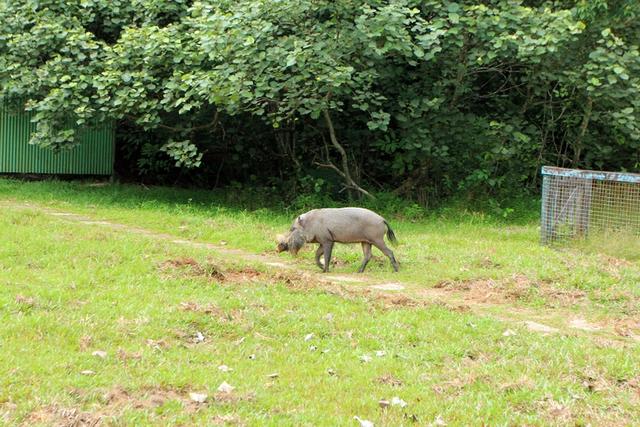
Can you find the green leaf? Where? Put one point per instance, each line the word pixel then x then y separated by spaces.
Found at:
pixel 453 7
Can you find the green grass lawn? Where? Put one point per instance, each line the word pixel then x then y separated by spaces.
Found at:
pixel 169 315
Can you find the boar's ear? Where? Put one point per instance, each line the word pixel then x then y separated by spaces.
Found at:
pixel 301 220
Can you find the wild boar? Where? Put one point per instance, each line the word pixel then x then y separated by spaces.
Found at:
pixel 342 225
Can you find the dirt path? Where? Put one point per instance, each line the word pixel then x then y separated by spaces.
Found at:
pixel 544 321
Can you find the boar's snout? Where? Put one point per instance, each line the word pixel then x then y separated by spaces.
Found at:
pixel 281 243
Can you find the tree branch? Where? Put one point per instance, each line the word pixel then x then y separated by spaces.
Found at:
pixel 211 124
pixel 345 173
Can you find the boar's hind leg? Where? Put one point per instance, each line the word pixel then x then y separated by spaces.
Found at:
pixel 319 253
pixel 328 247
pixel 366 251
pixel 385 250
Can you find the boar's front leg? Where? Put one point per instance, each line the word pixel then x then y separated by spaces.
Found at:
pixel 328 247
pixel 319 253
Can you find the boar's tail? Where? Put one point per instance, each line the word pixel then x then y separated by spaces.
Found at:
pixel 390 234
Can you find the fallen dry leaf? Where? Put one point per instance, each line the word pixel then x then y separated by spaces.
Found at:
pixel 396 401
pixel 439 421
pixel 87 372
pixel 21 299
pixel 539 327
pixel 85 342
pixel 224 368
pixel 157 344
pixel 198 397
pixel 363 423
pixel 274 375
pixel 365 358
pixel 508 333
pixel 225 387
pixel 384 404
pixel 124 356
pixel 381 353
pixel 308 337
pixel 99 353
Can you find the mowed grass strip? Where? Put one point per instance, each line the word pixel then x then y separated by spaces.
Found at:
pixel 167 316
pixel 461 249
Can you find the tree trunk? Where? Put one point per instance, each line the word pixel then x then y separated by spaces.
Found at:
pixel 578 145
pixel 344 172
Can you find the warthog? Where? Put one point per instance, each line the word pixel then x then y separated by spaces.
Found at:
pixel 344 225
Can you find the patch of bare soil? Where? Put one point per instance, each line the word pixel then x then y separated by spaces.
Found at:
pixel 127 356
pixel 191 267
pixel 25 301
pixel 246 274
pixel 117 400
pixel 592 382
pixel 54 415
pixel 511 289
pixel 230 398
pixel 625 327
pixel 389 379
pixel 561 414
pixel 613 265
pixel 296 280
pixel 393 286
pixel 300 281
pixel 85 342
pixel 212 310
pixel 632 384
pixel 397 300
pixel 488 263
pixel 457 385
pixel 523 383
pixel 7 410
pixel 158 345
pixel 225 420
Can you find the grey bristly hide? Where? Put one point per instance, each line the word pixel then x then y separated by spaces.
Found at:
pixel 342 225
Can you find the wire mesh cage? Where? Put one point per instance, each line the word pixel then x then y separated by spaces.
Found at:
pixel 581 203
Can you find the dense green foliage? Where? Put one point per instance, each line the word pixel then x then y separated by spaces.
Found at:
pixel 420 97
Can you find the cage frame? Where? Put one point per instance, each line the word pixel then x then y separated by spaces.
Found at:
pixel 579 200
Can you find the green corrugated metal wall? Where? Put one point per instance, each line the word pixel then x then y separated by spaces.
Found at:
pixel 94 156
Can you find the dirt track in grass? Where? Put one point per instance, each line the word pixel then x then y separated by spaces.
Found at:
pixel 495 298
